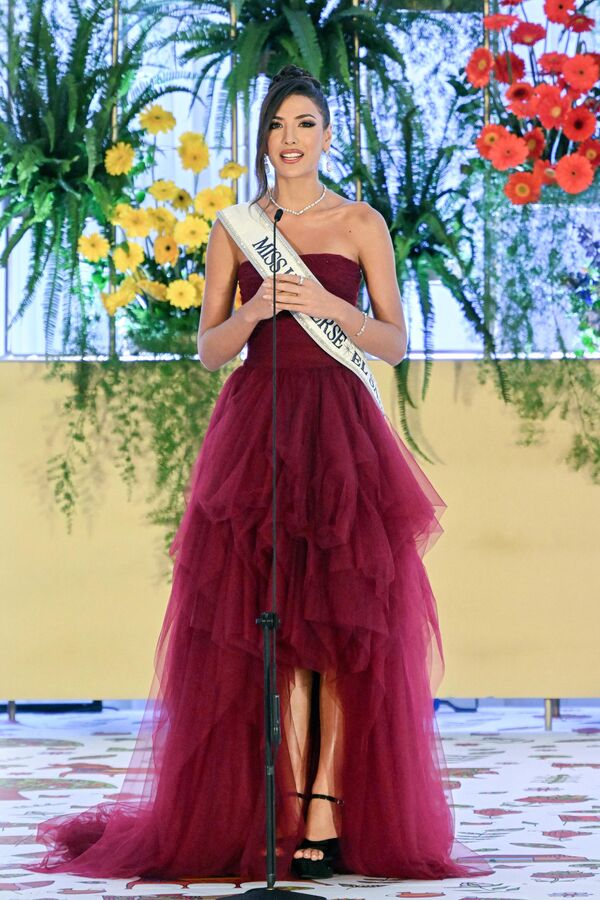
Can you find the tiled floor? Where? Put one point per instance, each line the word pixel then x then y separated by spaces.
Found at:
pixel 525 798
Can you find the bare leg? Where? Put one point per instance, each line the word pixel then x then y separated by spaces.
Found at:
pixel 300 699
pixel 324 819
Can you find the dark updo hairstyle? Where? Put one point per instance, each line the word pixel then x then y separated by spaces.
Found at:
pixel 289 80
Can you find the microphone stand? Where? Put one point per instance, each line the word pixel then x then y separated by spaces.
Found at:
pixel 269 623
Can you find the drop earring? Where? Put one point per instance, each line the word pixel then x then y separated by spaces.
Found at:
pixel 267 165
pixel 327 162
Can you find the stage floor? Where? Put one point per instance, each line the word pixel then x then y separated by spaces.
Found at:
pixel 526 798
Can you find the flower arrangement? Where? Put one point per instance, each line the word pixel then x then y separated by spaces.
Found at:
pixel 548 117
pixel 151 263
pixel 56 122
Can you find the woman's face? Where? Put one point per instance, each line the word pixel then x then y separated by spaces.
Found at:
pixel 297 126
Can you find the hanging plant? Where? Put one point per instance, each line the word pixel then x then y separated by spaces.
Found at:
pixel 545 104
pixel 534 256
pixel 117 414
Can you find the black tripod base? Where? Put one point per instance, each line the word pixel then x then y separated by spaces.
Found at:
pixel 263 893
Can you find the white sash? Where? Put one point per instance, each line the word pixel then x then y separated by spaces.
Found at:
pixel 252 230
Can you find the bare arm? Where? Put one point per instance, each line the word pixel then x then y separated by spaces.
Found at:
pixel 221 333
pixel 385 336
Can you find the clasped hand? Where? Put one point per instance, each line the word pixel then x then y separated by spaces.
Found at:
pixel 310 297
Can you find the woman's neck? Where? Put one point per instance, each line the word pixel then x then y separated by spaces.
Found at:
pixel 296 193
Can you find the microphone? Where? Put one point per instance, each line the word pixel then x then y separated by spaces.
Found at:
pixel 276 219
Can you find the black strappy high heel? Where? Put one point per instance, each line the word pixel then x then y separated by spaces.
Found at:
pixel 318 868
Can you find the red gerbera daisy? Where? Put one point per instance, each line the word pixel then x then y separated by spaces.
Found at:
pixel 521 99
pixel 581 71
pixel 509 2
pixel 544 171
pixel 579 124
pixel 544 90
pixel 479 67
pixel 527 33
pixel 552 63
pixel 559 10
pixel 488 136
pixel 536 141
pixel 574 173
pixel 508 151
pixel 499 21
pixel 591 151
pixel 580 23
pixel 552 108
pixel 570 92
pixel 508 67
pixel 522 187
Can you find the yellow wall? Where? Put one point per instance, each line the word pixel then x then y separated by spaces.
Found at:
pixel 515 574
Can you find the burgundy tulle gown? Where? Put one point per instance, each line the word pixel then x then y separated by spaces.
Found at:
pixel 355 514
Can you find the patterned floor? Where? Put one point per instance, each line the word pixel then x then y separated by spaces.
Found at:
pixel 526 798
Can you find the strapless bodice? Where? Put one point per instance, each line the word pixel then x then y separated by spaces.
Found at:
pixel 295 348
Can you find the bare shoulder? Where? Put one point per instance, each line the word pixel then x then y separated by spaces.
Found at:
pixel 364 220
pixel 366 215
pixel 370 231
pixel 220 241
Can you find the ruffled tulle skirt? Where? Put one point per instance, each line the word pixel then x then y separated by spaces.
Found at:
pixel 355 515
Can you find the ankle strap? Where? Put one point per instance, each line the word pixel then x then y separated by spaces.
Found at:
pixel 327 797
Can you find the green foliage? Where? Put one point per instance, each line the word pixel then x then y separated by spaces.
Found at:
pixel 56 108
pixel 531 254
pixel 318 36
pixel 427 223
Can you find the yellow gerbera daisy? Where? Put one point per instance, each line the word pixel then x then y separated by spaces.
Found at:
pixel 198 281
pixel 118 159
pixel 232 170
pixel 209 200
pixel 181 293
pixel 192 137
pixel 111 301
pixel 191 232
pixel 137 223
pixel 166 250
pixel 194 156
pixel 123 295
pixel 154 289
pixel 161 219
pixel 163 189
pixel 128 258
pixel 93 247
pixel 156 119
pixel 129 288
pixel 181 199
pixel 121 214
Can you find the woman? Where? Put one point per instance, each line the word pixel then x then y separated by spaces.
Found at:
pixel 358 772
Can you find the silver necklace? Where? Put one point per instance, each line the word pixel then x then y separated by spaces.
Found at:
pixel 296 212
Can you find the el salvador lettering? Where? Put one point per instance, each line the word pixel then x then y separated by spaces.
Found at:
pixel 358 361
